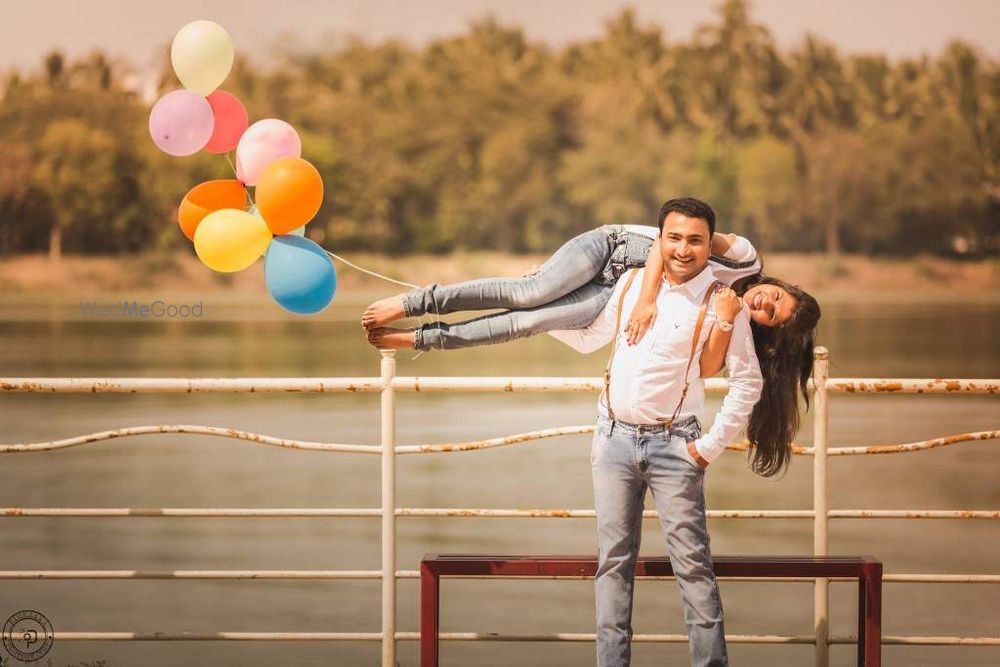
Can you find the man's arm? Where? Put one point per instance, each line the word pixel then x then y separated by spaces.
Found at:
pixel 745 385
pixel 599 332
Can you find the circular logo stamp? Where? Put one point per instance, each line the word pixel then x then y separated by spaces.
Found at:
pixel 27 635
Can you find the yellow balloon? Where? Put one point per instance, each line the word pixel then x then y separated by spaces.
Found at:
pixel 202 55
pixel 230 240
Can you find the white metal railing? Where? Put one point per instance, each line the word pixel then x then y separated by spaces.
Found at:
pixel 388 384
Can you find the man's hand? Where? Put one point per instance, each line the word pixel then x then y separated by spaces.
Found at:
pixel 642 318
pixel 727 305
pixel 693 451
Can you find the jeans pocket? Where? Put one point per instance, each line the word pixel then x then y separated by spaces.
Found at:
pixel 686 454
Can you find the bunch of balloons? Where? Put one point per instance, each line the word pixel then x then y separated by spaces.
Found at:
pixel 230 225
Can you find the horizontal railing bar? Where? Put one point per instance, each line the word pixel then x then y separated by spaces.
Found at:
pixel 514 384
pixel 186 512
pixel 501 441
pixel 401 636
pixel 95 385
pixel 421 512
pixel 888 578
pixel 588 514
pixel 217 636
pixel 100 385
pixel 190 574
pixel 933 443
pixel 590 637
pixel 941 578
pixel 495 637
pixel 928 641
pixel 914 514
pixel 734 639
pixel 912 386
pixel 471 445
pixel 191 429
pixel 415 574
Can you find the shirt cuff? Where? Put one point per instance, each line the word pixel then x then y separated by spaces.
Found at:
pixel 707 449
pixel 740 250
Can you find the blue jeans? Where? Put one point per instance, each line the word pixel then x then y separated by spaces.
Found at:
pixel 626 459
pixel 567 292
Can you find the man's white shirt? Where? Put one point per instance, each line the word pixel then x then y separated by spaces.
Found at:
pixel 647 378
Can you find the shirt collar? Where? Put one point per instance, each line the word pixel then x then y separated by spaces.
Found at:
pixel 697 285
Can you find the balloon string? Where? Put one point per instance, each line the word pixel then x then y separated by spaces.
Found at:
pixel 435 317
pixel 233 167
pixel 371 273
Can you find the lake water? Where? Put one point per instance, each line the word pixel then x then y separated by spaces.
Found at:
pixel 881 337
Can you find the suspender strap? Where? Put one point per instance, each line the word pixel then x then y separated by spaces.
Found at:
pixel 694 348
pixel 614 342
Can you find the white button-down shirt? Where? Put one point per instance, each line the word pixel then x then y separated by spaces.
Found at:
pixel 647 378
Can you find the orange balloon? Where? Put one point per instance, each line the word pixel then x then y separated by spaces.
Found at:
pixel 289 194
pixel 206 197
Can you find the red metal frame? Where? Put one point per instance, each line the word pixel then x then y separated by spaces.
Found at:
pixel 867 570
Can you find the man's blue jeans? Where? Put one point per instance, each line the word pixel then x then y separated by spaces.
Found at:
pixel 626 459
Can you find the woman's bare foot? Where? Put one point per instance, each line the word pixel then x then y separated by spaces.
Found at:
pixel 387 338
pixel 382 312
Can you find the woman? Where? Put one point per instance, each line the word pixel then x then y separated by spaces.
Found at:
pixel 572 287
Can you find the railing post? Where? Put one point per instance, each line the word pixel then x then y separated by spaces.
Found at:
pixel 388 509
pixel 821 608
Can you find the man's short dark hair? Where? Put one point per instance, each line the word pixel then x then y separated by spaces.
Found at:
pixel 692 208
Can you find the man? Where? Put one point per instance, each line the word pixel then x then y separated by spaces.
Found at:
pixel 637 444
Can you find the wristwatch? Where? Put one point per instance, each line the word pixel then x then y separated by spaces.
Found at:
pixel 725 326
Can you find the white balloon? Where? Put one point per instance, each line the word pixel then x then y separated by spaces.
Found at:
pixel 202 55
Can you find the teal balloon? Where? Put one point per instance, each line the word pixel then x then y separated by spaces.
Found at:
pixel 299 274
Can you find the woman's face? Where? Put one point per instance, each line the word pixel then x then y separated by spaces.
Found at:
pixel 770 305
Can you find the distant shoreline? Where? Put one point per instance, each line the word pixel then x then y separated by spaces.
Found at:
pixel 24 276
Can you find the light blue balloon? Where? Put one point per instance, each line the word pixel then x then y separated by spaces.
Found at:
pixel 299 274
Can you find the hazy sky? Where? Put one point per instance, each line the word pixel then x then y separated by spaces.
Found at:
pixel 137 28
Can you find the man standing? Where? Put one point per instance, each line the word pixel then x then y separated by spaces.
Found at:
pixel 647 435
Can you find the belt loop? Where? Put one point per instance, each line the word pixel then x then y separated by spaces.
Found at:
pixel 611 428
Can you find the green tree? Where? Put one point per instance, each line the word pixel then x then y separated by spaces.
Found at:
pixel 770 189
pixel 76 173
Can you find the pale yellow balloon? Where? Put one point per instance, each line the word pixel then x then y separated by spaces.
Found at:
pixel 202 55
pixel 230 240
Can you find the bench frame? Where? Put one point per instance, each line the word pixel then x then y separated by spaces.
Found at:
pixel 867 570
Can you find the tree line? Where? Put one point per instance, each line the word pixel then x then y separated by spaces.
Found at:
pixel 488 140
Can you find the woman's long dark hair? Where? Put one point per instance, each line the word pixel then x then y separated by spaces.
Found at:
pixel 785 354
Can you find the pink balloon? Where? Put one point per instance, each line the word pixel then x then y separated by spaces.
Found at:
pixel 231 121
pixel 181 122
pixel 264 142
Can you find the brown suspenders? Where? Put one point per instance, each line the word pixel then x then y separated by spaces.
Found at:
pixel 694 348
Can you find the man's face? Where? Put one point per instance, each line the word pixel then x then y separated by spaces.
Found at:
pixel 685 246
